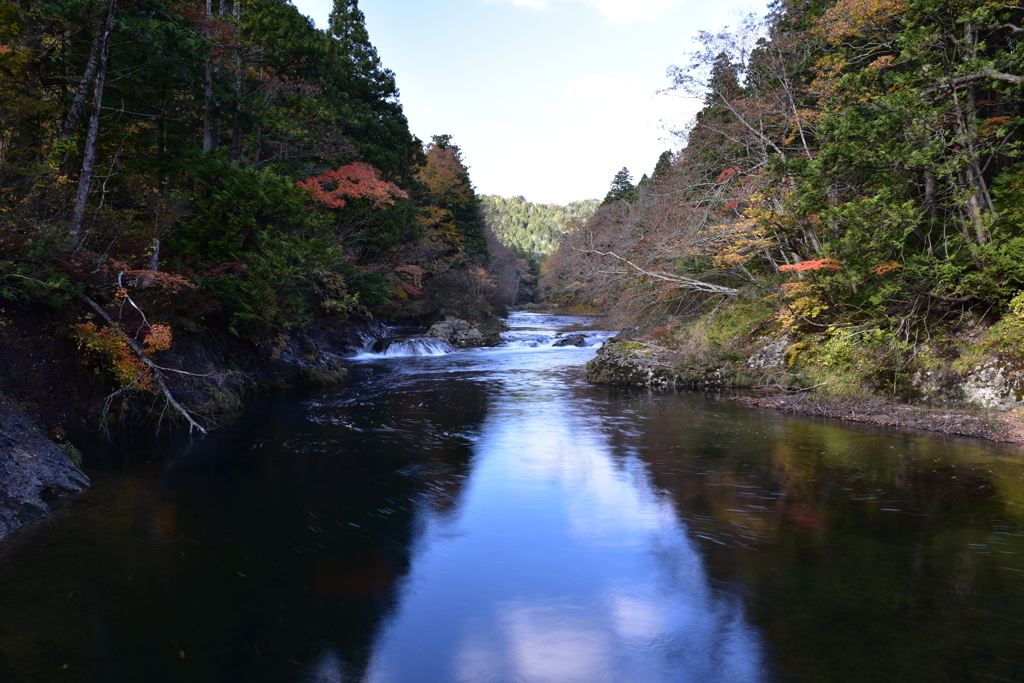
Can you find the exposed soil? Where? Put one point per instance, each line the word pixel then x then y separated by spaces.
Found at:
pixel 1004 427
pixel 44 375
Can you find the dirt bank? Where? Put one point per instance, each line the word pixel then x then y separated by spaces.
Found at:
pixel 1005 427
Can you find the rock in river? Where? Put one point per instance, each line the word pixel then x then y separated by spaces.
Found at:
pixel 571 340
pixel 459 333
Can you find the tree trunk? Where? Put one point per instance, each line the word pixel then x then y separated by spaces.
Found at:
pixel 236 126
pixel 208 141
pixel 91 67
pixel 89 154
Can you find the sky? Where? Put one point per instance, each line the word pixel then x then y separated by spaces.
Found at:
pixel 548 99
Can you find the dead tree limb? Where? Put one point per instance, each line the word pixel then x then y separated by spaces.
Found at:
pixel 679 280
pixel 157 371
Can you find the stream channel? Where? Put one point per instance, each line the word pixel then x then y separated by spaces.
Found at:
pixel 487 516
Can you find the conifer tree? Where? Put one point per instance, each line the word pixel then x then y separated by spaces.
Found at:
pixel 622 187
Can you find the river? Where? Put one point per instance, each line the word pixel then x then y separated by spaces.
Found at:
pixel 487 516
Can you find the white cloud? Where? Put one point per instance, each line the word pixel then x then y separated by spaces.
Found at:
pixel 574 148
pixel 614 11
pixel 618 11
pixel 539 5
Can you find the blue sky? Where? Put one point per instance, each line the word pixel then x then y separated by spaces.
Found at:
pixel 547 98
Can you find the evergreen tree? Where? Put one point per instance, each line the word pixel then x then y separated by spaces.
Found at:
pixel 663 164
pixel 622 188
pixel 369 97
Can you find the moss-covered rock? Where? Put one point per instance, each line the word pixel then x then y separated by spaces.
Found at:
pixel 632 363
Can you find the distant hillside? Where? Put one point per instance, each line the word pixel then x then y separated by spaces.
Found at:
pixel 532 228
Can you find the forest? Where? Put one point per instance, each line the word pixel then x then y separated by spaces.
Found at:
pixel 171 168
pixel 533 229
pixel 854 180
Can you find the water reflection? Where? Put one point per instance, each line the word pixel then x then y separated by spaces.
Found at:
pixel 488 516
pixel 865 554
pixel 561 563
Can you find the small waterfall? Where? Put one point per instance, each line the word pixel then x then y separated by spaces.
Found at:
pixel 542 340
pixel 410 346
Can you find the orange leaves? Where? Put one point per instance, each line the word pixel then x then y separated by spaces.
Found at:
pixel 886 268
pixel 109 344
pixel 881 62
pixel 444 175
pixel 220 28
pixel 358 180
pixel 820 264
pixel 158 338
pixel 848 18
pixel 170 283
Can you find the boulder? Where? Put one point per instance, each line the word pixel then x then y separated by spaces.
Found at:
pixel 571 340
pixel 34 471
pixel 459 333
pixel 632 363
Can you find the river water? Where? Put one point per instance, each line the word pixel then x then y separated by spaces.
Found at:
pixel 488 516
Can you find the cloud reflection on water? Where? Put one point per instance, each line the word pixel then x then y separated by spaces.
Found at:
pixel 563 565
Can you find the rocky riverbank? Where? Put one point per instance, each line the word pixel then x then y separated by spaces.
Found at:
pixel 51 393
pixel 1000 426
pixel 974 394
pixel 35 473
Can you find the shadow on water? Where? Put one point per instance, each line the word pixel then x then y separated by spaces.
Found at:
pixel 241 556
pixel 864 554
pixel 488 516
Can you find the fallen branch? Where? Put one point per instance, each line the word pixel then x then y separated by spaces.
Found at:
pixel 137 349
pixel 789 390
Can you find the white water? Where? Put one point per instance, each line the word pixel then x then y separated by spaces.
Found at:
pixel 527 331
pixel 413 346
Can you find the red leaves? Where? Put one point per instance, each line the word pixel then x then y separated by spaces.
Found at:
pixel 726 174
pixel 221 29
pixel 820 264
pixel 355 181
pixel 886 268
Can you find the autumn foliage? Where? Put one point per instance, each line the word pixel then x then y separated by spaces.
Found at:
pixel 357 180
pixel 855 162
pixel 111 345
pixel 818 264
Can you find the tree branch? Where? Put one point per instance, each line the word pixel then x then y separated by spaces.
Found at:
pixel 679 280
pixel 141 354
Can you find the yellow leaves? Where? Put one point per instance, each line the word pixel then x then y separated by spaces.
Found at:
pixel 848 18
pixel 804 303
pixel 805 118
pixel 733 245
pixel 112 346
pixel 881 62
